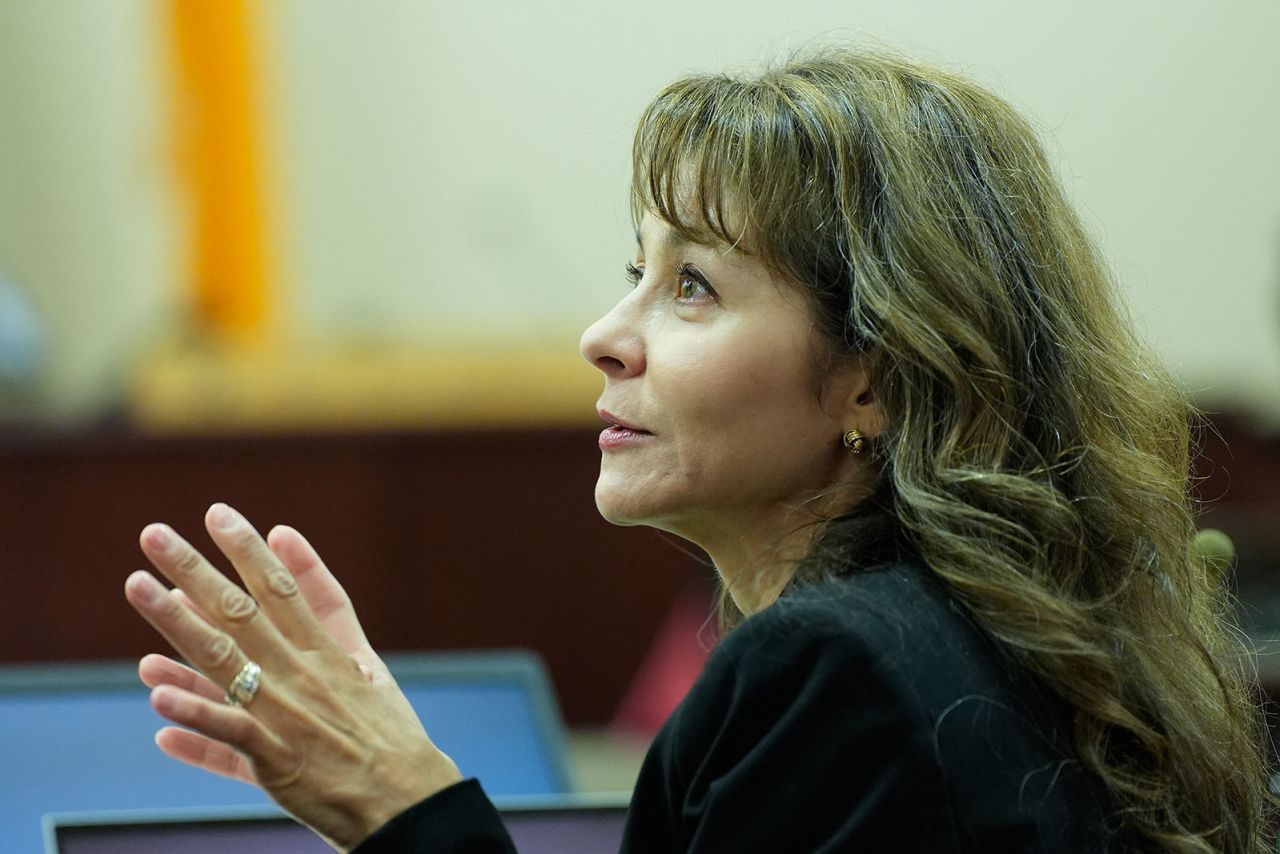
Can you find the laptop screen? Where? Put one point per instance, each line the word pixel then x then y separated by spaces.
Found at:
pixel 195 837
pixel 548 828
pixel 76 739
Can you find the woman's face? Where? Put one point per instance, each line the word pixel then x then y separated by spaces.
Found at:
pixel 724 421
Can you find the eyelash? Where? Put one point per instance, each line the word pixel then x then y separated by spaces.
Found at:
pixel 684 272
pixel 687 272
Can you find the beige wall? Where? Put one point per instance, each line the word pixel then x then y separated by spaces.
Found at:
pixel 89 224
pixel 445 179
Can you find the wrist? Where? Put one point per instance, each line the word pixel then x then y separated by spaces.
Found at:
pixel 403 788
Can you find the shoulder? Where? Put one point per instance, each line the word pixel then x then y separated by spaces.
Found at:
pixel 885 629
pixel 840 647
pixel 877 697
pixel 896 626
pixel 796 709
pixel 1001 741
pixel 896 611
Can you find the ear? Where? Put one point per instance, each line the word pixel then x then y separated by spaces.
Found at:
pixel 851 400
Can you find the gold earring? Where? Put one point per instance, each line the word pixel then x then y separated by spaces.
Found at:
pixel 854 442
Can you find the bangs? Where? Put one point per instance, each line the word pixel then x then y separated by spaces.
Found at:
pixel 751 166
pixel 695 163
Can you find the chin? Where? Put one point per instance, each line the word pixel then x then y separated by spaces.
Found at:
pixel 623 506
pixel 612 508
pixel 620 503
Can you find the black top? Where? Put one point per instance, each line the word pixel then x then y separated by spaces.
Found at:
pixel 867 714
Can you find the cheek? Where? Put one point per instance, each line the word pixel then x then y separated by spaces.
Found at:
pixel 743 411
pixel 723 387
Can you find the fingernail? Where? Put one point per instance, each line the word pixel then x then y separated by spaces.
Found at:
pixel 222 516
pixel 145 587
pixel 159 537
pixel 165 702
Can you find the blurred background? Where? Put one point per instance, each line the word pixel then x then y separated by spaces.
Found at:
pixel 329 262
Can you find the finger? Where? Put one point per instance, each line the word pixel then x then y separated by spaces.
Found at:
pixel 234 617
pixel 157 670
pixel 233 726
pixel 322 592
pixel 203 752
pixel 186 600
pixel 213 651
pixel 271 584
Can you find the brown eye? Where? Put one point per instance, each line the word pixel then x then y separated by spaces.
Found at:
pixel 691 285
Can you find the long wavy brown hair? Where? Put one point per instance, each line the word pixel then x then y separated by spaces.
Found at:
pixel 1038 455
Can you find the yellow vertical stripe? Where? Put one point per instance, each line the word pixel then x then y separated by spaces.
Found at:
pixel 222 159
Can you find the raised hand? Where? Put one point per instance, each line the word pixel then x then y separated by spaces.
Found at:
pixel 327 734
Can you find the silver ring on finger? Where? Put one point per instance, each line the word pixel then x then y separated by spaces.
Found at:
pixel 246 684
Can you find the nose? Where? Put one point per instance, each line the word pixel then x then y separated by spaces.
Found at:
pixel 614 343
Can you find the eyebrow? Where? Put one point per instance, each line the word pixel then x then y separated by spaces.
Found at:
pixel 672 239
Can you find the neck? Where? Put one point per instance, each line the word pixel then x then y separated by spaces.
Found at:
pixel 756 557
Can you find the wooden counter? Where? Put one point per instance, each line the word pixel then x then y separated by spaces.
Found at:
pixel 445 540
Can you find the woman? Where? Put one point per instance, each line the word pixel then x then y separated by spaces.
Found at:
pixel 873 366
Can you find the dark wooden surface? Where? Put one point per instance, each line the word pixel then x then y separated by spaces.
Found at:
pixel 444 541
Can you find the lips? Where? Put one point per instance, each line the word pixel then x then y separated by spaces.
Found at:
pixel 615 422
pixel 621 433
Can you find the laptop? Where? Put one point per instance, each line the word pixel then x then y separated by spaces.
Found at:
pixel 79 737
pixel 580 824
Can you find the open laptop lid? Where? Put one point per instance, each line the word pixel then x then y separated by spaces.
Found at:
pixel 79 738
pixel 583 824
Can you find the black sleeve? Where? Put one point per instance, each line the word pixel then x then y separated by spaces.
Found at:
pixel 795 739
pixel 456 820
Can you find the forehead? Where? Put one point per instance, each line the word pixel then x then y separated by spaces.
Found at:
pixel 656 235
pixel 700 214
